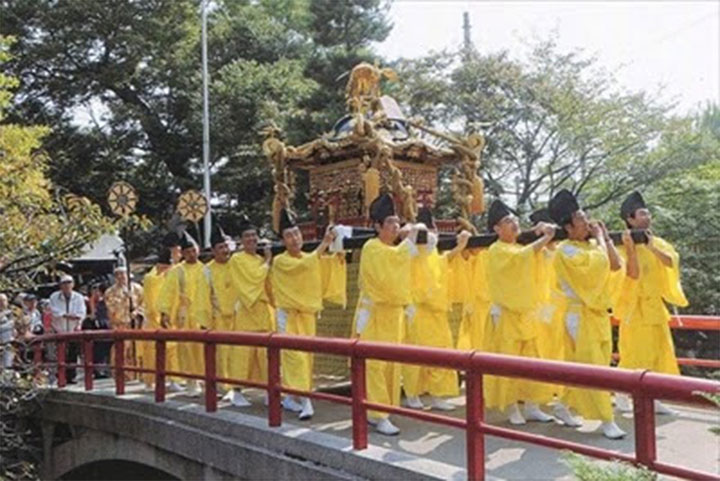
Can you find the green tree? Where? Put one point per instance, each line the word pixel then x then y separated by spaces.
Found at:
pixel 553 120
pixel 138 65
pixel 39 226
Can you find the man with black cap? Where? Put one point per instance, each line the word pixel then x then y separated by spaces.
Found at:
pixel 223 295
pixel 550 339
pixel 512 324
pixel 429 326
pixel 384 282
pixel 254 312
pixel 586 270
pixel 645 338
pixel 184 303
pixel 152 287
pixel 171 241
pixel 298 292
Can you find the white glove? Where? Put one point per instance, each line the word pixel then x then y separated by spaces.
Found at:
pixel 495 314
pixel 410 312
pixel 545 313
pixel 341 232
pixel 414 251
pixel 361 320
pixel 572 323
pixel 281 319
pixel 432 241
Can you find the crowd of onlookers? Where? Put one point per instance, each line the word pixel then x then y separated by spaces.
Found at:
pixel 26 316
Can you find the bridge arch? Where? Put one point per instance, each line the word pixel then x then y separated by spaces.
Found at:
pixel 90 452
pixel 116 470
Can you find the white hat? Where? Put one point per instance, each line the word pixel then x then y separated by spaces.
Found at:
pixel 120 268
pixel 66 278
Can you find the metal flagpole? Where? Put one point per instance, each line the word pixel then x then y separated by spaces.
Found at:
pixel 206 126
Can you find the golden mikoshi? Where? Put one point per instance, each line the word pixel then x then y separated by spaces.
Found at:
pixel 192 205
pixel 122 198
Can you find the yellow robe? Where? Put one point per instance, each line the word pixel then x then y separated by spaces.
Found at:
pixel 584 278
pixel 185 297
pixel 429 325
pixel 477 306
pixel 224 300
pixel 297 289
pixel 152 285
pixel 512 324
pixel 384 282
pixel 645 338
pixel 551 340
pixel 254 314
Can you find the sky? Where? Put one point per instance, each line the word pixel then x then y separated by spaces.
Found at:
pixel 647 44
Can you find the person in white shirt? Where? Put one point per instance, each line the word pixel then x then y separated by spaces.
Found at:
pixel 68 310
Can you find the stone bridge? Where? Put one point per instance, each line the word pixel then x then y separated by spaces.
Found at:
pixel 93 435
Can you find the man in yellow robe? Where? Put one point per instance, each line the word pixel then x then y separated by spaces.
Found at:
pixel 550 301
pixel 254 312
pixel 384 282
pixel 223 294
pixel 469 269
pixel 184 303
pixel 584 275
pixel 645 338
pixel 512 324
pixel 298 293
pixel 429 325
pixel 152 286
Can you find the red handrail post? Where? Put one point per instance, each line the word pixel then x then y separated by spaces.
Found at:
pixel 274 407
pixel 88 366
pixel 119 366
pixel 359 410
pixel 61 378
pixel 644 417
pixel 160 350
pixel 210 378
pixel 474 415
pixel 37 358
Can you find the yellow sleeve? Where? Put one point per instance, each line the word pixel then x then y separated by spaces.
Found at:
pixel 333 272
pixel 586 271
pixel 197 290
pixel 511 274
pixel 384 274
pixel 250 274
pixel 460 278
pixel 671 289
pixel 169 295
pixel 297 282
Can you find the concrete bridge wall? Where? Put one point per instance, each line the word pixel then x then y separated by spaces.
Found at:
pixel 187 443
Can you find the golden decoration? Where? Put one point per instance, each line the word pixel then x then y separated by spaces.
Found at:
pixel 122 198
pixel 192 205
pixel 74 202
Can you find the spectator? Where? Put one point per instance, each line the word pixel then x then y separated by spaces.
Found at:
pixel 7 328
pixel 31 321
pixel 99 320
pixel 68 310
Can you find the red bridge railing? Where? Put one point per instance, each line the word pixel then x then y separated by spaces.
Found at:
pixel 644 386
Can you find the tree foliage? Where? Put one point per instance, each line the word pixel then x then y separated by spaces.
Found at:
pixel 137 64
pixel 39 226
pixel 554 120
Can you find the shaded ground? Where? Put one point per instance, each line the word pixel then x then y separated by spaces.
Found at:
pixel 683 439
